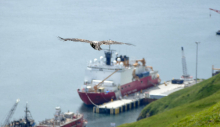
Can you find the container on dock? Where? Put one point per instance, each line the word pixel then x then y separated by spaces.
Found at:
pixel 177 81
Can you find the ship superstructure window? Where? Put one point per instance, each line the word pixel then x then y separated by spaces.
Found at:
pixel 154 76
pixel 105 83
pixel 69 115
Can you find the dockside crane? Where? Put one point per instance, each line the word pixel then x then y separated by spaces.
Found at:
pixel 11 112
pixel 185 75
pixel 217 70
pixel 218 11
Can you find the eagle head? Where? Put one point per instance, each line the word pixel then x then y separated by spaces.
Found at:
pixel 92 45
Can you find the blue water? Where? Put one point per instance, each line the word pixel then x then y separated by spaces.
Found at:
pixel 45 72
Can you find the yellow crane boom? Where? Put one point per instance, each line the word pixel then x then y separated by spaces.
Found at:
pixel 142 61
pixel 96 86
pixel 215 68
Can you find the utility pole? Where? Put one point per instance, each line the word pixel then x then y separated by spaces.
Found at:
pixel 196 59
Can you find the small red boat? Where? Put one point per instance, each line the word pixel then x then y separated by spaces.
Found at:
pixel 106 79
pixel 68 119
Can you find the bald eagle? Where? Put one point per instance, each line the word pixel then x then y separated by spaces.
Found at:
pixel 94 44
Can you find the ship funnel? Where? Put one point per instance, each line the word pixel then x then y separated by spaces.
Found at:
pixel 108 56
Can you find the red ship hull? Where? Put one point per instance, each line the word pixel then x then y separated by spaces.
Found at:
pixel 96 98
pixel 126 89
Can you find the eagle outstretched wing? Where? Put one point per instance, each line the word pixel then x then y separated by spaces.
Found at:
pixel 110 42
pixel 75 39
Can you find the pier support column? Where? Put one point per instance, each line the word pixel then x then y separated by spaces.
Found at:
pixel 138 102
pixel 111 111
pixel 121 108
pixel 125 107
pixel 130 106
pixel 134 104
pixel 97 109
pixel 94 109
pixel 116 111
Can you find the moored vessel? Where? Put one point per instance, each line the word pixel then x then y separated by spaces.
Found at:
pixel 26 121
pixel 68 119
pixel 106 79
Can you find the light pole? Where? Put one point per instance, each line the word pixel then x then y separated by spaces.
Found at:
pixel 196 59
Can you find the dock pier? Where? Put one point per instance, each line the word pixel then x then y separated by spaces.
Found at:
pixel 142 97
pixel 117 106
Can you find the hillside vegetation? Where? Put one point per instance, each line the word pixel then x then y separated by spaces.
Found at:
pixel 197 105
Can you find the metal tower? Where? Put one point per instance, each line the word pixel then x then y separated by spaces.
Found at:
pixel 28 117
pixel 7 120
pixel 185 75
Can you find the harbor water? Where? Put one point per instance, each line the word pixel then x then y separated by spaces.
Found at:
pixel 38 68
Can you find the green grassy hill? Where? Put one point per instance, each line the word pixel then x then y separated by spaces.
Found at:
pixel 193 106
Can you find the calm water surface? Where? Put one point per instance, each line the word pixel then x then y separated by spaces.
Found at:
pixel 45 72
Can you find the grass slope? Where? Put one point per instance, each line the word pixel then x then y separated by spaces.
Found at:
pixel 177 106
pixel 207 117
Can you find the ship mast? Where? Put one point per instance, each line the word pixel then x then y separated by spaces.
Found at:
pixel 28 117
